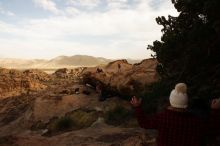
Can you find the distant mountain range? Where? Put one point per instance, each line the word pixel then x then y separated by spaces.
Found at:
pixel 58 62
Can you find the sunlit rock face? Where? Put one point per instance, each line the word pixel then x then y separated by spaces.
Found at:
pixel 14 82
pixel 124 78
pixel 37 75
pixel 67 73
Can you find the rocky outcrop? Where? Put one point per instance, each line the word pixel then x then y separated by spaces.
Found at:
pixel 65 73
pixel 14 82
pixel 44 109
pixel 28 119
pixel 67 112
pixel 119 66
pixel 37 75
pixel 122 77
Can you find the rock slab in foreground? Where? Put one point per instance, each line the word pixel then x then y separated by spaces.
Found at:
pixel 104 136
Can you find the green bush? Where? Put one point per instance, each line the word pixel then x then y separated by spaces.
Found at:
pixel 83 118
pixel 156 97
pixel 117 116
pixel 74 120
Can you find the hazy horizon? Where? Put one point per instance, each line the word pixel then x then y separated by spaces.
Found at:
pixel 70 56
pixel 112 29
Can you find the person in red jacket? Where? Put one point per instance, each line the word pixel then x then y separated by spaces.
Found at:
pixel 176 125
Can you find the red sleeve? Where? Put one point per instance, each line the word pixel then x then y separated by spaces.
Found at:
pixel 147 122
pixel 215 122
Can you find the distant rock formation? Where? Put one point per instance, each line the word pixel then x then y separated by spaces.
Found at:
pixel 14 82
pixel 124 78
pixel 68 73
pixel 58 62
pixel 77 60
pixel 37 75
pixel 118 66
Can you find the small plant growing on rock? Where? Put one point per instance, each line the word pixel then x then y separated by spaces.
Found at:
pixel 117 116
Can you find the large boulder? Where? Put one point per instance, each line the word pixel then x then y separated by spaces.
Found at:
pixel 122 77
pixel 119 66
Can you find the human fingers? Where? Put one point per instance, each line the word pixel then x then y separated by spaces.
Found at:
pixel 132 101
pixel 217 101
pixel 215 104
pixel 214 101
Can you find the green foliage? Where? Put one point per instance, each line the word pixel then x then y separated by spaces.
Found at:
pixel 154 99
pixel 117 116
pixel 189 48
pixel 74 120
pixel 83 118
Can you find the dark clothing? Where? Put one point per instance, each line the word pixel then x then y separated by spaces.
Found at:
pixel 215 123
pixel 177 128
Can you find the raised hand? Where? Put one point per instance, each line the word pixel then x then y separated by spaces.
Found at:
pixel 215 104
pixel 135 102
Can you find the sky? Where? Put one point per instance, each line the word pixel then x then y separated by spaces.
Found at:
pixel 112 29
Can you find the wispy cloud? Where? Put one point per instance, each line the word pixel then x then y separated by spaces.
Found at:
pixel 72 11
pixel 48 5
pixel 6 12
pixel 84 3
pixel 117 4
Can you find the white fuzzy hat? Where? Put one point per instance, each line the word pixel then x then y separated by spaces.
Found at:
pixel 178 96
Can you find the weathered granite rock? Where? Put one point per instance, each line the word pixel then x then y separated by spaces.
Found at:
pixel 122 77
pixel 103 136
pixel 65 73
pixel 37 75
pixel 14 82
